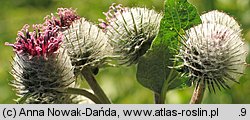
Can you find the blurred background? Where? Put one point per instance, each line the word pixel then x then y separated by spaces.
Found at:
pixel 119 83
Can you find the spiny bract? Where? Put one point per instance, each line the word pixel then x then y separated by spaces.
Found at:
pixel 87 45
pixel 131 31
pixel 213 54
pixel 216 17
pixel 41 67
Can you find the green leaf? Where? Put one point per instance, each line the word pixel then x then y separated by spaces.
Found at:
pixel 179 15
pixel 153 70
pixel 179 82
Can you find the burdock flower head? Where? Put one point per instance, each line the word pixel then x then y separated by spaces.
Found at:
pixel 41 67
pixel 131 31
pixel 87 45
pixel 213 55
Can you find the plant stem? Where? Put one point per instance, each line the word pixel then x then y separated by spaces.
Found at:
pixel 83 92
pixel 87 73
pixel 198 94
pixel 162 96
pixel 159 99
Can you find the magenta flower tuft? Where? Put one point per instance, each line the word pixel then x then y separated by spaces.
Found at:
pixel 66 17
pixel 111 16
pixel 37 43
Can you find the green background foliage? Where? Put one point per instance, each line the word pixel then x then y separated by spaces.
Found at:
pixel 153 69
pixel 119 83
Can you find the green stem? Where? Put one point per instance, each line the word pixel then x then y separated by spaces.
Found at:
pixel 162 96
pixel 158 99
pixel 83 92
pixel 198 94
pixel 87 73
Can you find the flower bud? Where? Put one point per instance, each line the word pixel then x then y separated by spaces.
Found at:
pixel 87 45
pixel 213 55
pixel 131 31
pixel 41 67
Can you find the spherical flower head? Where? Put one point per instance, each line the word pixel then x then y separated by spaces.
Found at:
pixel 66 17
pixel 216 17
pixel 214 54
pixel 43 79
pixel 87 45
pixel 131 31
pixel 37 43
pixel 41 67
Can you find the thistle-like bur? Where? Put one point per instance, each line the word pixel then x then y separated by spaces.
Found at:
pixel 41 67
pixel 213 54
pixel 131 31
pixel 87 45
